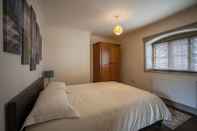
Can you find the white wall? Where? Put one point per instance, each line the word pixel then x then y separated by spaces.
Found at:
pixel 179 87
pixel 68 54
pixel 14 77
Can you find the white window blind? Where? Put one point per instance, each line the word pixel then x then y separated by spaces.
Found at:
pixel 160 56
pixel 194 54
pixel 178 55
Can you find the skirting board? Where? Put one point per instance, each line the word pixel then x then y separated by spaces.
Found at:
pixel 181 107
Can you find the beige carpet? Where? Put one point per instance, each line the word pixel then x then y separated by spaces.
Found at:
pixel 178 118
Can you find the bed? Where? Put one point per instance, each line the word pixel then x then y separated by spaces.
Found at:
pixel 108 106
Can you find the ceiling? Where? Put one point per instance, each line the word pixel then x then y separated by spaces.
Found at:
pixel 97 16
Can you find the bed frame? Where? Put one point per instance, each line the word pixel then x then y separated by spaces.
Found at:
pixel 19 107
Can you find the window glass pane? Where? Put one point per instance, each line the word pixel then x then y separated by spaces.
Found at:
pixel 178 54
pixel 149 56
pixel 194 54
pixel 160 56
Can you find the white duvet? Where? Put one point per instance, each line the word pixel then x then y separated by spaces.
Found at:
pixel 108 106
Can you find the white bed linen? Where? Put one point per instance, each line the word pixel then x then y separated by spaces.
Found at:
pixel 109 106
pixel 51 104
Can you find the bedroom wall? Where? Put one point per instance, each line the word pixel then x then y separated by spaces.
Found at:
pixel 179 87
pixel 68 54
pixel 14 77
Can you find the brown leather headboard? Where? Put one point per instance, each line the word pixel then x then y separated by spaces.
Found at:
pixel 19 107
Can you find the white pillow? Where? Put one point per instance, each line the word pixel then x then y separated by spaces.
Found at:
pixel 51 105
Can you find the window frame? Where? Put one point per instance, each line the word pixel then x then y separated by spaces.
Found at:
pixel 193 25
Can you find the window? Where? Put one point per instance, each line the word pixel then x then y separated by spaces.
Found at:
pixel 172 54
pixel 160 56
pixel 193 63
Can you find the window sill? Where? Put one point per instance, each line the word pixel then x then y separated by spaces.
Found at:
pixel 168 71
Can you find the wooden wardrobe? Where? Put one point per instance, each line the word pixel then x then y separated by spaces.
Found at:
pixel 106 62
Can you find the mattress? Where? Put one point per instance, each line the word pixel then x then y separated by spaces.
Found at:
pixel 108 106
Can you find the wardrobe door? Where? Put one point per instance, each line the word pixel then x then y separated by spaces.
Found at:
pixel 115 54
pixel 105 63
pixel 96 63
pixel 115 72
pixel 115 62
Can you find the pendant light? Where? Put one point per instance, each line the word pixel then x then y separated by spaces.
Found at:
pixel 117 30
